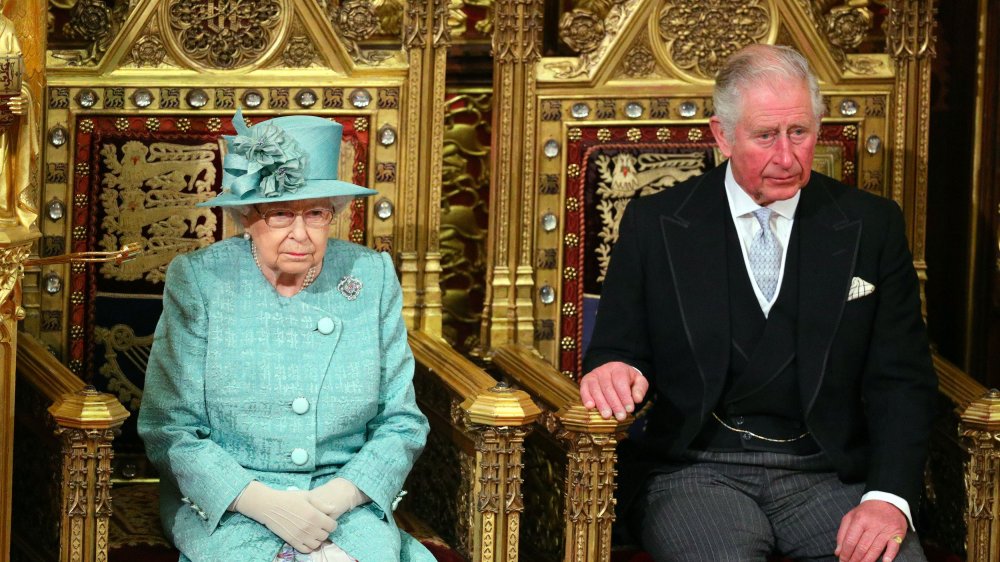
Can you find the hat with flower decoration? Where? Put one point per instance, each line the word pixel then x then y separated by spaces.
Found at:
pixel 282 159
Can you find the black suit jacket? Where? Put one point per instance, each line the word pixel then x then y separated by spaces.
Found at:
pixel 866 381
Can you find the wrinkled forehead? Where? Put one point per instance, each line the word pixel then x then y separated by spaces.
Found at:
pixel 787 93
pixel 299 205
pixel 785 86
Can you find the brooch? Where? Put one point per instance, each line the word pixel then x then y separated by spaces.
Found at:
pixel 349 286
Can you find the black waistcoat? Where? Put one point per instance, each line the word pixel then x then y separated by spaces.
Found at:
pixel 762 388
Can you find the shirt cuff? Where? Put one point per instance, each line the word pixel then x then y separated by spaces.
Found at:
pixel 895 500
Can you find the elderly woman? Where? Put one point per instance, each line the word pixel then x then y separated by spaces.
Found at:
pixel 278 404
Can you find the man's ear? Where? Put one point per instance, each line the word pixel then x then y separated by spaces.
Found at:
pixel 720 137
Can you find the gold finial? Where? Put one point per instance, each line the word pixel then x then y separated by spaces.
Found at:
pixel 501 405
pixel 501 387
pixel 88 409
pixel 984 412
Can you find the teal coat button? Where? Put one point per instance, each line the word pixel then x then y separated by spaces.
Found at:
pixel 300 405
pixel 325 326
pixel 300 456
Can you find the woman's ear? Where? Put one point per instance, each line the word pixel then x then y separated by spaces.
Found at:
pixel 245 218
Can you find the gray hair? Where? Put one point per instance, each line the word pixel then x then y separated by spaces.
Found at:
pixel 757 65
pixel 238 212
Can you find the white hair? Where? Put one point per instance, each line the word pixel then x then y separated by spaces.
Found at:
pixel 757 65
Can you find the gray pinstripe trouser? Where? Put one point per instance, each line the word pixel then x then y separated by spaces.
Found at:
pixel 744 506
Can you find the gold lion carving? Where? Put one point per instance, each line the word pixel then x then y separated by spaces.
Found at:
pixel 148 199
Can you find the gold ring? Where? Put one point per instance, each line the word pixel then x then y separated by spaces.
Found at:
pixel 898 539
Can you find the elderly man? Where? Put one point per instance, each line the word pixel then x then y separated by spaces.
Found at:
pixel 775 315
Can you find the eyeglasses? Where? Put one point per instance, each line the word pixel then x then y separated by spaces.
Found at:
pixel 283 218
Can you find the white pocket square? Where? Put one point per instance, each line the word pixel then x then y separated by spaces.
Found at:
pixel 859 288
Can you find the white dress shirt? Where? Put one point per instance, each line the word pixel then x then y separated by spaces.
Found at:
pixel 742 206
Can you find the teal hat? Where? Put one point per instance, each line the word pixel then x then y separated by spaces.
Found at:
pixel 282 159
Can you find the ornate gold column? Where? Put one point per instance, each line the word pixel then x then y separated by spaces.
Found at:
pixel 910 37
pixel 488 422
pixel 510 282
pixel 88 421
pixel 12 256
pixel 980 432
pixel 590 442
pixel 590 482
pixel 500 418
pixel 22 55
pixel 426 39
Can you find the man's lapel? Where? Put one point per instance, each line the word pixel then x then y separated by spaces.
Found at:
pixel 695 238
pixel 828 248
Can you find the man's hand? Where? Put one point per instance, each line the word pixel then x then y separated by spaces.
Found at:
pixel 613 387
pixel 869 530
pixel 287 514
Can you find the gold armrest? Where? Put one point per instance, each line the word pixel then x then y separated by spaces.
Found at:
pixel 87 424
pixel 468 481
pixel 959 387
pixel 980 432
pixel 485 402
pixel 978 413
pixel 556 392
pixel 590 440
pixel 42 370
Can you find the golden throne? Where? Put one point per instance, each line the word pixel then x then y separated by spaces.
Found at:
pixel 612 103
pixel 599 65
pixel 136 96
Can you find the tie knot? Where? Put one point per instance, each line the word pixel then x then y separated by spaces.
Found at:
pixel 763 215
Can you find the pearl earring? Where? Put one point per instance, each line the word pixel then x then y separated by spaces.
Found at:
pixel 246 235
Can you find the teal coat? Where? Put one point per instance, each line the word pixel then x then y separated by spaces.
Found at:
pixel 232 367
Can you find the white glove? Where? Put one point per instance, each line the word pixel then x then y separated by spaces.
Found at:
pixel 337 497
pixel 288 514
pixel 330 552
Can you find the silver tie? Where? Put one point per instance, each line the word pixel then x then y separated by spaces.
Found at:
pixel 765 254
